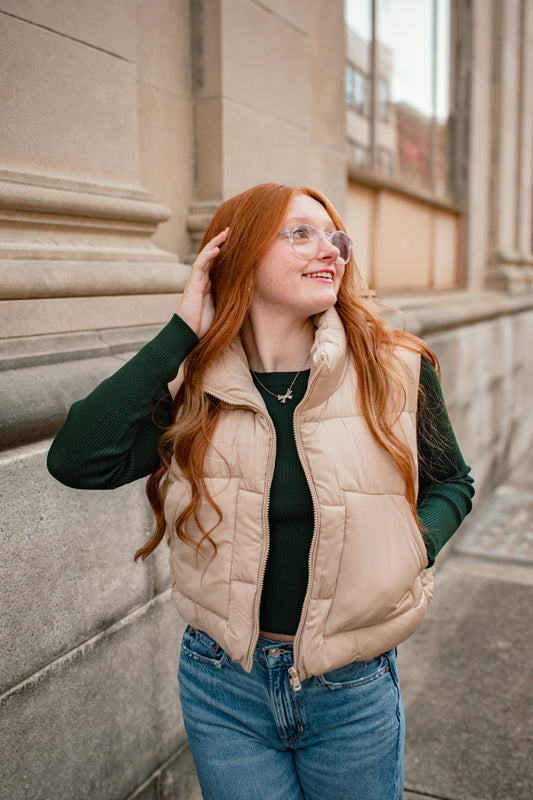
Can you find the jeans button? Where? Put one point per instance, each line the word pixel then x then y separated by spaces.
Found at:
pixel 275 652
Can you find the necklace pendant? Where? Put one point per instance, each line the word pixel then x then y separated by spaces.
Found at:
pixel 284 397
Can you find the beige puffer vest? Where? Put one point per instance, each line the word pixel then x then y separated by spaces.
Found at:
pixel 368 586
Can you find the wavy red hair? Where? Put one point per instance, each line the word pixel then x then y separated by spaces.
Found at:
pixel 255 217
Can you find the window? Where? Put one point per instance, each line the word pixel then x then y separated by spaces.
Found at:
pixel 355 88
pixel 403 49
pixel 357 153
pixel 385 162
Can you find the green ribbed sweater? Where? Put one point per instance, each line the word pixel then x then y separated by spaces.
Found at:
pixel 110 438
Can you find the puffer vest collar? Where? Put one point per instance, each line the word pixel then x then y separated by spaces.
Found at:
pixel 229 378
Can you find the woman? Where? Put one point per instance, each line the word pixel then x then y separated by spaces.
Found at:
pixel 307 477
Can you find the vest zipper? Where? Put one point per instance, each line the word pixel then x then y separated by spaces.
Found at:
pixel 266 546
pixel 266 503
pixel 293 671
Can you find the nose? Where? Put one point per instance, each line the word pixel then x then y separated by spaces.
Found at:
pixel 328 250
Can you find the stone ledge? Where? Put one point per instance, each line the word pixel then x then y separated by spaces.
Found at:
pixel 77 200
pixel 23 279
pixel 51 372
pixel 80 651
pixel 174 780
pixel 432 313
pixel 36 399
pixel 30 351
pixel 77 547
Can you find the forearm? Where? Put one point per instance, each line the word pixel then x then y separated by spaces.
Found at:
pixel 445 485
pixel 442 509
pixel 110 437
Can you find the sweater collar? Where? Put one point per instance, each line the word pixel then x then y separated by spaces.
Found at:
pixel 229 377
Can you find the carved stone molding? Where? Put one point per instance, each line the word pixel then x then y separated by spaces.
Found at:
pixel 511 273
pixel 67 247
pixel 198 219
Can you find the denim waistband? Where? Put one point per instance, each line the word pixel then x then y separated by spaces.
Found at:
pixel 273 653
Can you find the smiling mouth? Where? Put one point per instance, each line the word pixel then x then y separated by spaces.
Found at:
pixel 323 275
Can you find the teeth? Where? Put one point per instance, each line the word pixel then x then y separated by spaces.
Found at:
pixel 318 275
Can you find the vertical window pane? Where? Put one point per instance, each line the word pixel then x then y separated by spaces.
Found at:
pixel 405 36
pixel 442 111
pixel 411 87
pixel 358 17
pixel 348 85
pixel 417 44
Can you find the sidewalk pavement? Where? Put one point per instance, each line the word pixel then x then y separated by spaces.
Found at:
pixel 467 674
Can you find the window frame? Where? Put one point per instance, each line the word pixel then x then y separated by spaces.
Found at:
pixel 380 111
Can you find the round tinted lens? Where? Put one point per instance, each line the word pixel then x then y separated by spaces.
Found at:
pixel 305 241
pixel 343 244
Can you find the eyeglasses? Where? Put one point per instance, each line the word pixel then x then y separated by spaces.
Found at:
pixel 306 242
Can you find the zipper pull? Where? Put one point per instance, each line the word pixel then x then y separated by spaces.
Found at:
pixel 295 679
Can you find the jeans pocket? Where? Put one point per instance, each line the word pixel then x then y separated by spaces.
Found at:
pixel 200 647
pixel 357 673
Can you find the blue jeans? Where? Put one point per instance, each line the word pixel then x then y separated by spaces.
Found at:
pixel 251 735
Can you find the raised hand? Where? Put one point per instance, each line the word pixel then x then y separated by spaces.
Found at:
pixel 196 306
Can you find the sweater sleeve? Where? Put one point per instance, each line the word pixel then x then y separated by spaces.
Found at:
pixel 110 437
pixel 445 486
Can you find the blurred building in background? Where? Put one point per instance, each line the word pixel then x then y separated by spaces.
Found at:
pixel 123 125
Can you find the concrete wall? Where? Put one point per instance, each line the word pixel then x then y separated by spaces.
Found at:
pixel 483 342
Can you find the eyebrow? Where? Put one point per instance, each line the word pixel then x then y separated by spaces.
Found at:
pixel 310 221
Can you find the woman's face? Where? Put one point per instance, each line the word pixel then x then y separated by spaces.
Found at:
pixel 285 281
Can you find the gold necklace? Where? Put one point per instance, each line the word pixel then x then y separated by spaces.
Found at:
pixel 281 397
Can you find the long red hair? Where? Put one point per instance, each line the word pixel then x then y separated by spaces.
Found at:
pixel 255 217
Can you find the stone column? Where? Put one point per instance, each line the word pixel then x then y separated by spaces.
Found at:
pixel 471 100
pixel 76 223
pixel 89 113
pixel 511 258
pixel 268 107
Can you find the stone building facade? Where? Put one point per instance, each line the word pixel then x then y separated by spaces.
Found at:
pixel 122 126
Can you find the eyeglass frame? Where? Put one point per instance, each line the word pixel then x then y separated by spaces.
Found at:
pixel 288 232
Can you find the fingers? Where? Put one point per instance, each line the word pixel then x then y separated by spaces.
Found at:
pixel 210 251
pixel 196 305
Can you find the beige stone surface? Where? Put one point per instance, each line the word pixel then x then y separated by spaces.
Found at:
pixel 326 22
pixel 71 112
pixel 95 23
pixel 417 245
pixel 206 48
pixel 360 225
pixel 85 581
pixel 297 12
pixel 30 279
pixel 209 132
pixel 481 127
pixel 165 108
pixel 259 148
pixel 326 172
pixel 403 252
pixel 357 128
pixel 96 722
pixel 506 163
pixel 487 371
pixel 525 170
pixel 66 314
pixel 328 117
pixel 268 73
pixel 445 250
pixel 163 49
pixel 166 167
